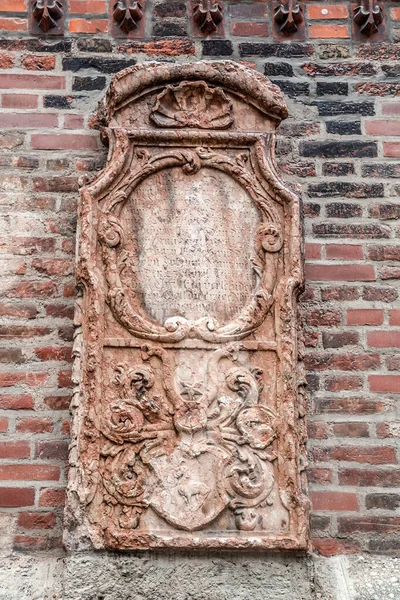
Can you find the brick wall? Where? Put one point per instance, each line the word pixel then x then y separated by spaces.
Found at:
pixel 341 143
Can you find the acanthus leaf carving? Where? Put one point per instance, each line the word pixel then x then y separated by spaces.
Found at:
pixel 189 422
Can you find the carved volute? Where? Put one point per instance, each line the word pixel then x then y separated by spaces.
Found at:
pixel 189 404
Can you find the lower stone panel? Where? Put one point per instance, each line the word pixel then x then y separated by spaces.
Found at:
pixel 201 576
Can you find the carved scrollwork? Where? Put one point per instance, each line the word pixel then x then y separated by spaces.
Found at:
pixel 269 242
pixel 235 432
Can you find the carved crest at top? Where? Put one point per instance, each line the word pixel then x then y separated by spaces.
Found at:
pixel 189 409
pixel 193 104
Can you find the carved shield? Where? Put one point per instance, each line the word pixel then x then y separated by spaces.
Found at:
pixel 189 407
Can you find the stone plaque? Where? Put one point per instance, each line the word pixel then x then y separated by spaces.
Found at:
pixel 188 413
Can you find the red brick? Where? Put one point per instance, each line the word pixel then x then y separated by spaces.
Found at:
pixel 327 11
pixel 172 47
pixel 88 26
pixel 33 289
pixel 32 82
pixel 25 101
pixel 395 14
pixel 384 383
pixel 317 430
pixel 37 543
pixel 64 379
pixel 365 316
pixel 374 524
pixel 92 7
pixel 354 272
pixel 66 427
pixel 60 353
pixel 13 5
pixel 353 430
pixel 344 252
pixel 391 108
pixel 326 361
pixel 373 455
pixel 388 430
pixel 341 383
pixel 51 450
pixel 350 406
pixel 331 547
pixel 337 501
pixel 3 424
pixel 391 149
pixel 320 317
pixel 57 402
pixel 29 472
pixel 14 449
pixel 64 141
pixel 6 61
pixel 34 425
pixel 394 317
pixel 9 332
pixel 340 293
pixel 36 520
pixel 33 62
pixel 27 245
pixel 328 31
pixel 14 497
pixel 382 128
pixel 74 122
pixel 390 272
pixel 23 402
pixel 52 497
pixel 17 378
pixel 383 339
pixel 319 475
pixel 385 252
pixel 313 251
pixel 13 24
pixel 250 29
pixel 370 478
pixel 60 311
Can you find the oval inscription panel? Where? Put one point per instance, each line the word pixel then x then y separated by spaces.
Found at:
pixel 195 239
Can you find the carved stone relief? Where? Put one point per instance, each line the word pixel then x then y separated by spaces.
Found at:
pixel 189 405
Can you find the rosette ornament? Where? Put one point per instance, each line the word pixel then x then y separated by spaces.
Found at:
pixel 207 15
pixel 288 17
pixel 47 13
pixel 368 18
pixel 127 14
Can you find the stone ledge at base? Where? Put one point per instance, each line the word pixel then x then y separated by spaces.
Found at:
pixel 182 576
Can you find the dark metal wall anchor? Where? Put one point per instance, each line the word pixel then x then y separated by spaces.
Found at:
pixel 207 15
pixel 47 13
pixel 127 13
pixel 368 18
pixel 289 17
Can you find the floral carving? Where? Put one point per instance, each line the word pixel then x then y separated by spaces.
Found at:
pixel 127 13
pixel 192 105
pixel 288 17
pixel 207 14
pixel 47 13
pixel 188 430
pixel 368 18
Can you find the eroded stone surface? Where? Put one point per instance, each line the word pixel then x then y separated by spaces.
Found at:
pixel 189 413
